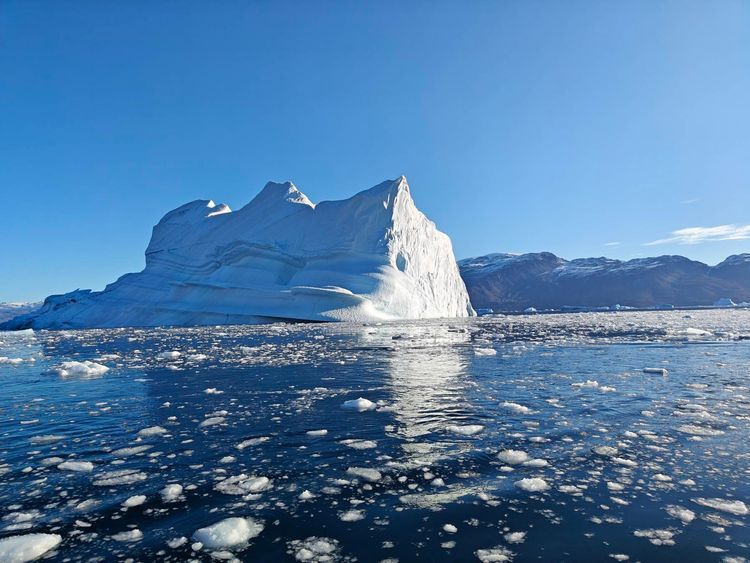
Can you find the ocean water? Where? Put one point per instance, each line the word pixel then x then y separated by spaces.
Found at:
pixel 527 438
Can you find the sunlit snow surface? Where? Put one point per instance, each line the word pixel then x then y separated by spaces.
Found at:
pixel 557 447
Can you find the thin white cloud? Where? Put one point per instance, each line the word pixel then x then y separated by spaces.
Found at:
pixel 689 201
pixel 698 235
pixel 614 243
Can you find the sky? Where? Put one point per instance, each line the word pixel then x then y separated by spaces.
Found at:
pixel 582 128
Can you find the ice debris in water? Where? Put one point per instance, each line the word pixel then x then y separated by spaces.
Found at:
pixel 229 533
pixel 532 484
pixel 81 466
pixel 152 431
pixel 656 371
pixel 171 492
pixel 135 500
pixel 243 484
pixel 85 369
pixel 128 536
pixel 466 429
pixel 314 549
pixel 736 507
pixel 19 549
pixel 494 555
pixel 365 473
pixel 512 457
pixel 485 351
pixel 360 404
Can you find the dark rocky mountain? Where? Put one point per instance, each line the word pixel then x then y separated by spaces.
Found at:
pixel 509 282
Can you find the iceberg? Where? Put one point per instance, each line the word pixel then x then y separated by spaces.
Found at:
pixel 372 257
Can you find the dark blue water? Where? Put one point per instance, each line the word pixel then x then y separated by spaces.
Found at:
pixel 605 460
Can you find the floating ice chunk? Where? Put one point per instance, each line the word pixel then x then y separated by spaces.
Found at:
pixel 85 369
pixel 129 536
pixel 515 537
pixel 512 457
pixel 656 371
pixel 656 537
pixel 306 495
pixel 133 450
pixel 171 492
pixel 120 477
pixel 494 555
pixel 243 484
pixel 485 351
pixel 606 451
pixel 152 431
pixel 252 442
pixel 619 556
pixel 697 430
pixel 212 421
pixel 197 358
pixel 372 475
pixel 361 404
pixel 81 466
pixel 450 528
pixel 19 549
pixel 46 439
pixel 536 462
pixel 681 513
pixel 465 430
pixel 170 355
pixel 230 532
pixel 174 543
pixel 135 500
pixel 321 432
pixel 314 549
pixel 352 515
pixel 228 459
pixel 213 391
pixel 588 384
pixel 661 477
pixel 360 444
pixel 532 484
pixel 736 507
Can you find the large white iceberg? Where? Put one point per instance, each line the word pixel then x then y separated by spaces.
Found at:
pixel 371 257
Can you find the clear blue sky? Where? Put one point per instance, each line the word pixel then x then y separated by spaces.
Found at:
pixel 521 125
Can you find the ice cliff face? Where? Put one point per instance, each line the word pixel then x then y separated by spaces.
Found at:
pixel 371 257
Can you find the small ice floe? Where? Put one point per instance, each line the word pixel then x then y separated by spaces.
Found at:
pixel 133 450
pixel 133 535
pixel 657 537
pixel 81 466
pixel 170 355
pixel 656 371
pixel 228 459
pixel 485 352
pixel 359 444
pixel 536 463
pixel 314 549
pixel 171 492
pixel 228 533
pixel 365 473
pixel 321 432
pixel 513 457
pixel 11 361
pixel 174 543
pixel 515 407
pixel 697 430
pixel 46 439
pixel 197 357
pixel 736 507
pixel 515 537
pixel 120 477
pixel 605 451
pixel 532 484
pixel 213 391
pixel 588 384
pixel 361 404
pixel 497 554
pixel 86 369
pixel 465 429
pixel 681 513
pixel 152 431
pixel 619 556
pixel 135 500
pixel 212 421
pixel 352 515
pixel 450 529
pixel 306 495
pixel 243 484
pixel 27 547
pixel 251 442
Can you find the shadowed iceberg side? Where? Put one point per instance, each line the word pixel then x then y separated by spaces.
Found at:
pixel 371 257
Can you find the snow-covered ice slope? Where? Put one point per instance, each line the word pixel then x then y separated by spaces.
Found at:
pixel 373 256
